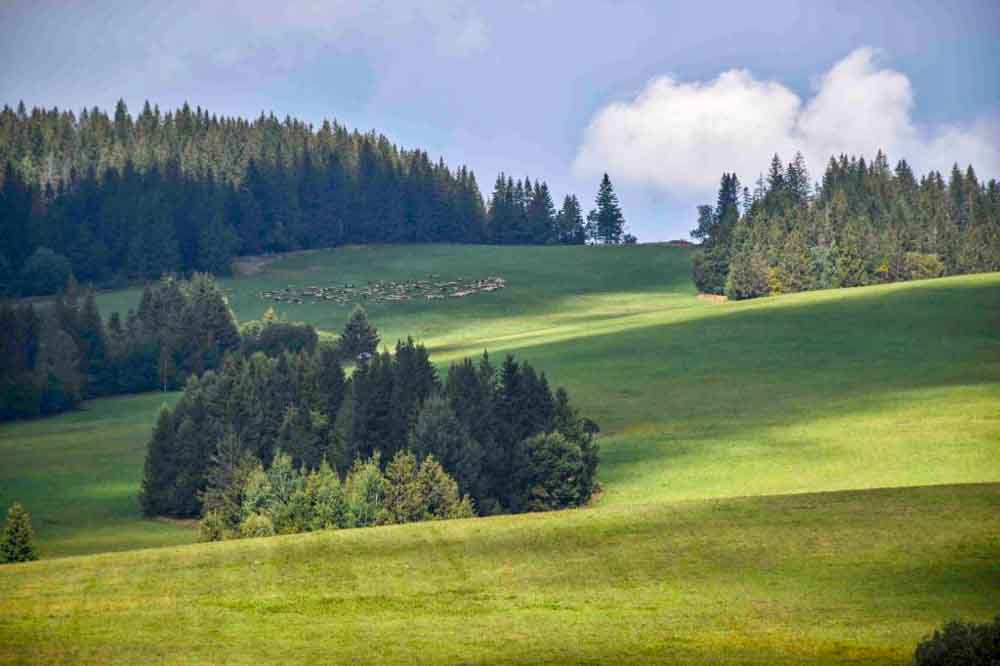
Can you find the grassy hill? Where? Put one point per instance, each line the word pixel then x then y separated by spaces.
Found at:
pixel 800 479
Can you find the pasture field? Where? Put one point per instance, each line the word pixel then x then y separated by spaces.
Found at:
pixel 801 479
pixel 840 578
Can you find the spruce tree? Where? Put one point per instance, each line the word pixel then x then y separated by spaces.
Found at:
pixel 607 219
pixel 359 337
pixel 569 222
pixel 18 541
pixel 438 433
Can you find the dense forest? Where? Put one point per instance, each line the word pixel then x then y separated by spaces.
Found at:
pixel 508 442
pixel 112 198
pixel 54 356
pixel 865 223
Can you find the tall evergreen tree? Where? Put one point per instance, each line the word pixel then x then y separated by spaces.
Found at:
pixel 607 219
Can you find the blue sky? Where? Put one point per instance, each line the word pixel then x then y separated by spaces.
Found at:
pixel 664 96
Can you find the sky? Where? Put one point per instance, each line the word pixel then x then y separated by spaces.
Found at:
pixel 664 96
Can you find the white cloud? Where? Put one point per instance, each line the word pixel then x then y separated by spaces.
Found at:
pixel 680 137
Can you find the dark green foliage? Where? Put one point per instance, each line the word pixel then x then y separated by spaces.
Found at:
pixel 55 357
pixel 274 337
pixel 866 224
pixel 748 274
pixel 44 272
pixel 961 644
pixel 17 544
pixel 569 222
pixel 438 433
pixel 605 221
pixel 300 404
pixel 222 499
pixel 358 337
pixel 550 474
pixel 522 213
pixel 184 191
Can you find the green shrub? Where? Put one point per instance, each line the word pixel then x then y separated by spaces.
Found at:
pixel 18 541
pixel 213 527
pixel 960 643
pixel 256 525
pixel 923 266
pixel 274 337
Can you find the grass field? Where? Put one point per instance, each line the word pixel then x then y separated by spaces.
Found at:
pixel 808 478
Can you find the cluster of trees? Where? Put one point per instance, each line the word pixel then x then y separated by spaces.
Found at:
pixel 865 223
pixel 960 643
pixel 506 439
pixel 115 198
pixel 523 214
pixel 17 543
pixel 242 499
pixel 54 356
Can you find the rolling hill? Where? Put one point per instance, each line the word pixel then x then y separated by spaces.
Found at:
pixel 800 479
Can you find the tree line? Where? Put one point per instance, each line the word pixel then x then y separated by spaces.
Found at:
pixel 55 355
pixel 113 199
pixel 523 214
pixel 865 223
pixel 508 442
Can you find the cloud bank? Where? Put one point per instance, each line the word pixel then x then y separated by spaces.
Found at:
pixel 679 137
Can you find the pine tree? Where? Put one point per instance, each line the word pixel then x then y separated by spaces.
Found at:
pixel 359 337
pixel 18 541
pixel 217 245
pixel 230 467
pixel 440 434
pixel 607 219
pixel 160 467
pixel 852 266
pixel 569 222
pixel 441 494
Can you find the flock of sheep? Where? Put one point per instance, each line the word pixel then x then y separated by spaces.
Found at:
pixel 386 291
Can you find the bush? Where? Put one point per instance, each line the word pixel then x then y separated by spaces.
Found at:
pixel 923 266
pixel 256 525
pixel 18 541
pixel 213 527
pixel 274 337
pixel 961 644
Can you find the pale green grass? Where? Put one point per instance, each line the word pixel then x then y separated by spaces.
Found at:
pixel 837 578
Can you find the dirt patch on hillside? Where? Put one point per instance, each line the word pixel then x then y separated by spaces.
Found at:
pixel 712 298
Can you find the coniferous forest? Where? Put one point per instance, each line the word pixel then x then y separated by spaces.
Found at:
pixel 54 357
pixel 116 198
pixel 865 223
pixel 496 439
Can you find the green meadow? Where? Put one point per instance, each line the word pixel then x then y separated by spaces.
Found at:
pixel 811 478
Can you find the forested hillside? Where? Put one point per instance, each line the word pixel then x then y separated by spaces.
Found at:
pixel 52 358
pixel 113 198
pixel 864 224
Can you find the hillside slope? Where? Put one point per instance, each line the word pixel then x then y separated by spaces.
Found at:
pixel 855 577
pixel 811 478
